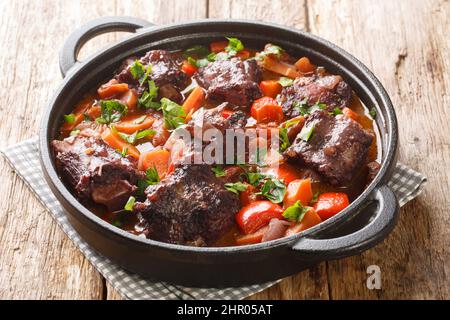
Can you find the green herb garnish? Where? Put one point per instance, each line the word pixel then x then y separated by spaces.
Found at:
pixel 296 212
pixel 132 138
pixel 174 115
pixel 271 50
pixel 152 178
pixel 74 132
pixel 314 198
pixel 285 143
pixel 140 119
pixel 306 132
pixel 148 98
pixel 274 190
pixel 140 72
pixel 234 46
pixel 302 106
pixel 373 113
pixel 219 171
pixel 235 187
pixel 112 111
pixel 130 203
pixel 124 152
pixel 69 118
pixel 285 81
pixel 337 111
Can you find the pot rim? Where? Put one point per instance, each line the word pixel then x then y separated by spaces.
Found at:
pixel 387 163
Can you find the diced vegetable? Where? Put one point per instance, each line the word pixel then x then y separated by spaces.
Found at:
pixel 194 101
pixel 188 68
pixel 257 215
pixel 298 190
pixel 75 118
pixel 349 113
pixel 174 115
pixel 112 89
pixel 218 46
pixel 130 99
pixel 310 219
pixel 284 172
pixel 235 187
pixel 266 109
pixel 251 238
pixel 158 159
pixel 279 67
pixel 270 88
pixel 133 123
pixel 330 203
pixel 304 65
pixel 117 143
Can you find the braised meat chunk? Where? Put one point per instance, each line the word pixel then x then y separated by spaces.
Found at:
pixel 307 91
pixel 95 171
pixel 190 206
pixel 336 148
pixel 164 71
pixel 233 80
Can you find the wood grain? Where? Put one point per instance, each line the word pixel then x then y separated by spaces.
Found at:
pixel 405 43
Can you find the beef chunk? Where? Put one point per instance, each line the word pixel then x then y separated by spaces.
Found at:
pixel 165 72
pixel 95 171
pixel 234 81
pixel 336 149
pixel 189 206
pixel 329 89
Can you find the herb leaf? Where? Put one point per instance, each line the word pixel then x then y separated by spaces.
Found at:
pixel 130 203
pixel 124 152
pixel 234 46
pixel 174 115
pixel 285 143
pixel 373 112
pixel 296 212
pixel 139 71
pixel 285 81
pixel 140 119
pixel 219 171
pixel 147 100
pixel 307 131
pixel 337 111
pixel 235 187
pixel 152 178
pixel 111 111
pixel 132 138
pixel 74 132
pixel 69 118
pixel 274 190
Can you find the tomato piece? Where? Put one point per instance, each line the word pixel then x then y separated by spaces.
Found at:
pixel 218 46
pixel 330 203
pixel 310 219
pixel 188 68
pixel 266 109
pixel 270 88
pixel 298 190
pixel 257 215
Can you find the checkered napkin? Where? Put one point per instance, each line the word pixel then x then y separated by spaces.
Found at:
pixel 24 159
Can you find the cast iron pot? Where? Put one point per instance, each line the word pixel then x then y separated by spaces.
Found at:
pixel 359 227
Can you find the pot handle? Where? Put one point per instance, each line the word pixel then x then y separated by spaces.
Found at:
pixel 73 44
pixel 367 237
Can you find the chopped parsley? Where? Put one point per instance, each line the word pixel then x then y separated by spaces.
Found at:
pixel 151 178
pixel 373 112
pixel 130 203
pixel 305 110
pixel 255 178
pixel 337 111
pixel 236 187
pixel 271 49
pixel 140 119
pixel 285 81
pixel 74 132
pixel 307 131
pixel 314 198
pixel 137 135
pixel 69 118
pixel 296 212
pixel 219 171
pixel 140 72
pixel 124 152
pixel 284 139
pixel 147 100
pixel 234 46
pixel 274 190
pixel 174 115
pixel 111 111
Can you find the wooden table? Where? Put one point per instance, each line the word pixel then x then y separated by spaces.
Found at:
pixel 405 43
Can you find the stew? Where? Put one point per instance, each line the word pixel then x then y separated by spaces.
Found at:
pixel 150 151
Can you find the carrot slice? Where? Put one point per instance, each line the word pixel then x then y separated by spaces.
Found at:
pixel 131 124
pixel 331 203
pixel 112 89
pixel 270 88
pixel 218 46
pixel 117 143
pixel 78 113
pixel 266 109
pixel 194 100
pixel 349 113
pixel 130 99
pixel 304 65
pixel 158 159
pixel 298 190
pixel 188 68
pixel 279 67
pixel 310 219
pixel 252 238
pixel 94 112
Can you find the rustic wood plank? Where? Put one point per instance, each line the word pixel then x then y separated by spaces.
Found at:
pixel 407 47
pixel 310 284
pixel 38 260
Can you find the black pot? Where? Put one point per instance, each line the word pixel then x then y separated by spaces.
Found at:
pixel 359 227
